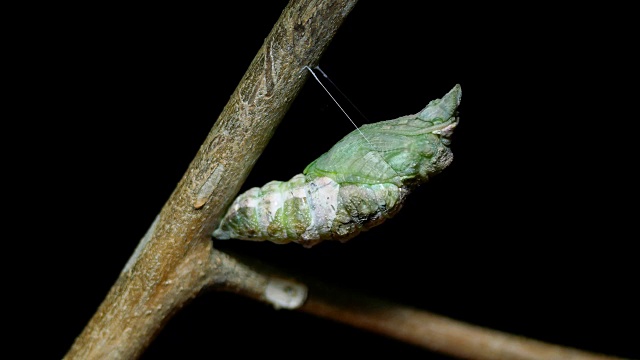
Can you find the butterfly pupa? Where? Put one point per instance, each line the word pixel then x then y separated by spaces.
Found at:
pixel 356 185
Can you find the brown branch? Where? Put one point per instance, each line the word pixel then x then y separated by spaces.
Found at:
pixel 434 332
pixel 175 260
pixel 410 325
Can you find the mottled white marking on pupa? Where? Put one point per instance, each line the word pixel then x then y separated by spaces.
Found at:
pixel 322 194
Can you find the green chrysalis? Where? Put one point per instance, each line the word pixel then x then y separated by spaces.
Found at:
pixel 358 184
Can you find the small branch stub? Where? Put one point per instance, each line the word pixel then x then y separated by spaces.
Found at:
pixel 285 294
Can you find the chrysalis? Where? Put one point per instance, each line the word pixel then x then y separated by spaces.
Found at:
pixel 358 184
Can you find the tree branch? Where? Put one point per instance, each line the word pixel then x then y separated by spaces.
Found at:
pixel 410 325
pixel 175 260
pixel 434 332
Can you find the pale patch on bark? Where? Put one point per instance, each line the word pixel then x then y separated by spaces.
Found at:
pixel 207 188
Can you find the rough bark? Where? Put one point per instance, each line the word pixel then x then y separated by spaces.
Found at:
pixel 176 260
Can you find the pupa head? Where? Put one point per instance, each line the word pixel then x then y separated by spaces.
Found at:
pixel 441 118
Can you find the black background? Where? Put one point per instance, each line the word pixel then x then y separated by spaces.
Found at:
pixel 529 231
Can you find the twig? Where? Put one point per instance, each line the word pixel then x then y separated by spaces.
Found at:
pixel 415 326
pixel 434 332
